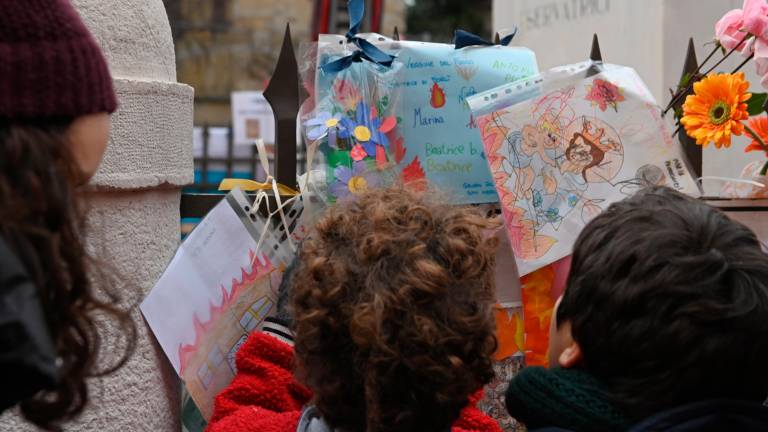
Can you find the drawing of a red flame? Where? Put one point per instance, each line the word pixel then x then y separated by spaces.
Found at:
pixel 201 328
pixel 437 100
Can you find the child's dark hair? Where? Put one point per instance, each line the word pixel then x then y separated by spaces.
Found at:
pixel 42 219
pixel 668 300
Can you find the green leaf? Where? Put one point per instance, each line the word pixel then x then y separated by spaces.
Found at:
pixel 755 103
pixel 684 81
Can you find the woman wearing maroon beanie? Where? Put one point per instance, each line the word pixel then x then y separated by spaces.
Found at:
pixel 55 99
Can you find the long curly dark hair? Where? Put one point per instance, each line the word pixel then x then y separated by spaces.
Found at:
pixel 392 300
pixel 41 218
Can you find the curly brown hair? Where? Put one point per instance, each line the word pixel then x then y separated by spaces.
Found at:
pixel 392 300
pixel 41 218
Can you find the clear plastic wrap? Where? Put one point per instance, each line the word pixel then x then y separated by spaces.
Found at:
pixel 564 145
pixel 420 104
pixel 352 125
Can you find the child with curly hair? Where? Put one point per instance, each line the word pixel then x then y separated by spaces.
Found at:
pixel 663 326
pixel 392 329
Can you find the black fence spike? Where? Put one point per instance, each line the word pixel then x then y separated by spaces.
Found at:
pixel 285 95
pixel 693 152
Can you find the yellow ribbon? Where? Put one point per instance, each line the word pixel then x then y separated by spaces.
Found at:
pixel 251 185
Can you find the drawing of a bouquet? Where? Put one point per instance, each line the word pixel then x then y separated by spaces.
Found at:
pixel 360 138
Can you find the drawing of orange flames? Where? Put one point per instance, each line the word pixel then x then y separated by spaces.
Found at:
pixel 437 99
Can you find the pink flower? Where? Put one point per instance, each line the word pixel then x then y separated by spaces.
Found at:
pixel 751 19
pixel 756 23
pixel 761 64
pixel 729 29
pixel 755 18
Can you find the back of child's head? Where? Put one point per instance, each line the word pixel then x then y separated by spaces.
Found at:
pixel 392 301
pixel 668 301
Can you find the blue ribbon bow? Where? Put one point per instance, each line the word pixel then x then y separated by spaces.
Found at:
pixel 463 39
pixel 365 51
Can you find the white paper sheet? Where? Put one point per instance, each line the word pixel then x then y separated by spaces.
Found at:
pixel 562 147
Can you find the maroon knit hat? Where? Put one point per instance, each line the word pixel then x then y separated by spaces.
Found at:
pixel 50 65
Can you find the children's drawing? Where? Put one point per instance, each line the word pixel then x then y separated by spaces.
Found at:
pixel 207 365
pixel 467 72
pixel 434 140
pixel 216 290
pixel 558 159
pixel 355 129
pixel 604 94
pixel 437 96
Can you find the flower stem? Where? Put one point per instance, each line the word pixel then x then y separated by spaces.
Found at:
pixel 681 93
pixel 741 65
pixel 762 144
pixel 757 137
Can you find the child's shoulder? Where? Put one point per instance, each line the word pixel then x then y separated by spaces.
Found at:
pixel 252 418
pixel 474 420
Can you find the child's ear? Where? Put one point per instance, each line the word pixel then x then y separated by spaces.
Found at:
pixel 571 356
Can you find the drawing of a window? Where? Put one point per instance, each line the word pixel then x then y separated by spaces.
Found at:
pixel 255 314
pixel 232 354
pixel 207 371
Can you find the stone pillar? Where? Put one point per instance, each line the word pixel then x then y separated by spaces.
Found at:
pixel 134 206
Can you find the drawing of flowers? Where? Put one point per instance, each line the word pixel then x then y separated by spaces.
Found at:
pixel 604 94
pixel 352 181
pixel 324 124
pixel 413 175
pixel 494 138
pixel 358 153
pixel 347 94
pixel 368 129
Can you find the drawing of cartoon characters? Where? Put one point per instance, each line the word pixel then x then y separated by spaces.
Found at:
pixel 542 141
pixel 594 151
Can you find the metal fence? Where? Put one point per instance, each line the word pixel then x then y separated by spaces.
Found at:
pixel 217 157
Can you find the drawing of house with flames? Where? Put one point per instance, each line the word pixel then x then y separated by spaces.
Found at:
pixel 208 365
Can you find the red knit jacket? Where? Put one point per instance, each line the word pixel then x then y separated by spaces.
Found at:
pixel 264 396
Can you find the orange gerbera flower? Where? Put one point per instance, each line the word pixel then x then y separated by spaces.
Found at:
pixel 716 109
pixel 758 125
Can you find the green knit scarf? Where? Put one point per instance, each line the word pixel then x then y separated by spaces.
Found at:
pixel 566 398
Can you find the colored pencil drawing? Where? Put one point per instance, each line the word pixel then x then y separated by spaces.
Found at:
pixel 558 159
pixel 208 363
pixel 435 140
pixel 219 287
